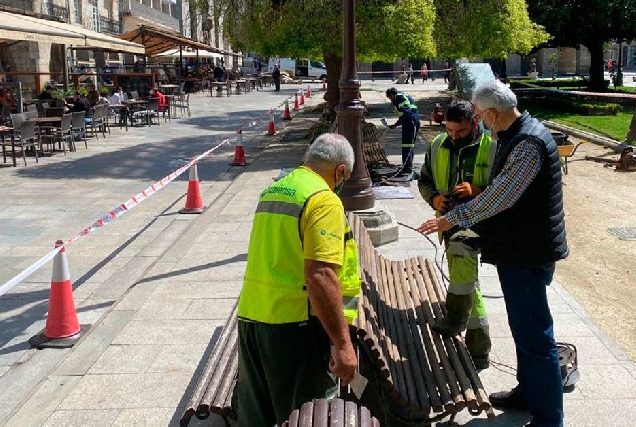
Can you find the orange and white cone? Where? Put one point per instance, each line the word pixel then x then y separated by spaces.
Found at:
pixel 302 97
pixel 286 115
pixel 324 85
pixel 296 102
pixel 308 91
pixel 271 128
pixel 62 326
pixel 194 201
pixel 239 151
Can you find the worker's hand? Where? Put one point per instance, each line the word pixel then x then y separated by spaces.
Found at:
pixel 343 362
pixel 438 202
pixel 443 204
pixel 466 190
pixel 433 225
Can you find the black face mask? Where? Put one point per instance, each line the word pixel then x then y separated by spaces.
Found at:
pixel 463 142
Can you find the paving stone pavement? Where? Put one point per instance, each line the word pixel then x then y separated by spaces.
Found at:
pixel 166 283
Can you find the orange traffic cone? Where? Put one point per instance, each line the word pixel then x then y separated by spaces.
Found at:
pixel 286 115
pixel 308 91
pixel 62 326
pixel 194 201
pixel 239 152
pixel 324 85
pixel 302 97
pixel 296 102
pixel 271 128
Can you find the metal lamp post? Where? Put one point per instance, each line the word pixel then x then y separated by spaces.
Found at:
pixel 357 193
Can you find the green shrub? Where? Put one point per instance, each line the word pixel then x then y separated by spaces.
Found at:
pixel 574 106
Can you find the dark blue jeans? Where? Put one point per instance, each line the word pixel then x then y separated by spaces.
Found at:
pixel 538 370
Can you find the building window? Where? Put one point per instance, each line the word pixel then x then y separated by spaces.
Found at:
pixel 78 11
pixel 95 15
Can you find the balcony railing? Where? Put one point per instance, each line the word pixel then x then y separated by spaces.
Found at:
pixel 148 14
pixel 109 26
pixel 54 12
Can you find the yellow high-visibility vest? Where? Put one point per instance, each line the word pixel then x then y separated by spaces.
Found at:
pixel 274 289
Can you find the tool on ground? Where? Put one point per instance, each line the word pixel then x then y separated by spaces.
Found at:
pixel 626 162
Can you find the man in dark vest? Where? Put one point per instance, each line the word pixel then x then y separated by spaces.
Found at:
pixel 520 219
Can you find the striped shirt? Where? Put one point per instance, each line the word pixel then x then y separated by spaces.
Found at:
pixel 522 166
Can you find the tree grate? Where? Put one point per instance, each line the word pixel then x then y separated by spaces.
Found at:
pixel 623 233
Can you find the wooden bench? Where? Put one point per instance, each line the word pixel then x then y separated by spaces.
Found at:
pixel 426 377
pixel 332 412
pixel 214 390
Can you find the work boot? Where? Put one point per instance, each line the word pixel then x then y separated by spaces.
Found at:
pixel 513 399
pixel 458 309
pixel 481 362
pixel 478 344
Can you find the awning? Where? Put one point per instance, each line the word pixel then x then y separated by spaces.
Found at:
pixel 23 27
pixel 157 41
pixel 190 53
pixel 15 27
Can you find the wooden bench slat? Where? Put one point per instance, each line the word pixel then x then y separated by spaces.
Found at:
pixel 412 369
pixel 428 390
pixel 194 404
pixel 321 413
pixel 306 418
pixel 337 413
pixel 388 306
pixel 219 382
pixel 434 347
pixel 435 292
pixel 351 414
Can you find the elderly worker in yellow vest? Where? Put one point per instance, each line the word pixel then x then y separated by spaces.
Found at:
pixel 455 170
pixel 300 290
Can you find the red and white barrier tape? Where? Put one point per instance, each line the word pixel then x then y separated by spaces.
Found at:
pixel 120 210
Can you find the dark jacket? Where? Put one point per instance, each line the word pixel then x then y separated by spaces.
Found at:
pixel 532 232
pixel 406 109
pixel 81 104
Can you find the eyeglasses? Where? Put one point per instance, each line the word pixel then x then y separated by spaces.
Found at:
pixel 479 115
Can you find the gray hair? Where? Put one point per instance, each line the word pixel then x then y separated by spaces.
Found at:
pixel 496 95
pixel 330 149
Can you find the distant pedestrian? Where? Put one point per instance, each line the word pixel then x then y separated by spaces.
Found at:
pixel 276 77
pixel 409 75
pixel 424 72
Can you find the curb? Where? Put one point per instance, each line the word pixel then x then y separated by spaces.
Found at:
pixel 596 139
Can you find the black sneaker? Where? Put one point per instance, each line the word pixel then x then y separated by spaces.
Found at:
pixel 513 399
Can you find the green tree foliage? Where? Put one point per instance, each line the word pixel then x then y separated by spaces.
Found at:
pixel 385 29
pixel 488 28
pixel 590 23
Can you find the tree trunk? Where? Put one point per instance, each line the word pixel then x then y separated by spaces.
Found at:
pixel 333 61
pixel 597 79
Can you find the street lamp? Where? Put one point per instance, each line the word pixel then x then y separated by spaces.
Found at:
pixel 357 193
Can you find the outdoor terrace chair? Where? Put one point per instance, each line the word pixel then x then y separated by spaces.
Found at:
pixel 6 114
pixel 98 122
pixel 78 126
pixel 54 111
pixel 27 138
pixel 152 110
pixel 60 135
pixel 183 103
